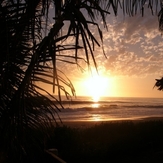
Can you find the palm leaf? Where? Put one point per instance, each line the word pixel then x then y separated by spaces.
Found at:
pixel 159 84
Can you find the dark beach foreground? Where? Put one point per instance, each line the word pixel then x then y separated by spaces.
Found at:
pixel 88 124
pixel 110 141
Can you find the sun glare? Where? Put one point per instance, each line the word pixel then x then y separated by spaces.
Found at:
pixel 96 86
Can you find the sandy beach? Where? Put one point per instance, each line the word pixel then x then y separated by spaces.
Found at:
pixel 88 124
pixel 131 140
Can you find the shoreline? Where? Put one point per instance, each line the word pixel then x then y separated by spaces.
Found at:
pixel 88 124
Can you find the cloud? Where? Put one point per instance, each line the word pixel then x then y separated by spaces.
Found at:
pixel 134 46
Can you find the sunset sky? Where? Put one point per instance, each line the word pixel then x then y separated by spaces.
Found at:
pixel 134 49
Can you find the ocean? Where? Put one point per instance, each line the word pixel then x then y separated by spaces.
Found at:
pixel 111 108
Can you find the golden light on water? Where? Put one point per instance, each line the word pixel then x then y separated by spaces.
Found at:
pixel 95 105
pixel 96 117
pixel 95 97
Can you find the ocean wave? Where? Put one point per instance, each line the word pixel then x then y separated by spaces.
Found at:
pixel 144 106
pixel 109 107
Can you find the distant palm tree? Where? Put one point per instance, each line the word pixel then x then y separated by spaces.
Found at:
pixel 30 51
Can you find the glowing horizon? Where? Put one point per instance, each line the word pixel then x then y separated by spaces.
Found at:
pixel 96 85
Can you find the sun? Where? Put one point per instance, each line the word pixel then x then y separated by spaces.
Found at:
pixel 96 86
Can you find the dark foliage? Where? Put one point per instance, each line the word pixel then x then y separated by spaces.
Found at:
pixel 159 84
pixel 111 142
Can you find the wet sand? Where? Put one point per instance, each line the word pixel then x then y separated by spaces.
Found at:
pixel 87 124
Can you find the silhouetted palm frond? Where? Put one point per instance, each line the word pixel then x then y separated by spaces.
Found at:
pixel 159 84
pixel 28 57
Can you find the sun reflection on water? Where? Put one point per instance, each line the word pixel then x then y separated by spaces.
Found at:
pixel 95 105
pixel 96 117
